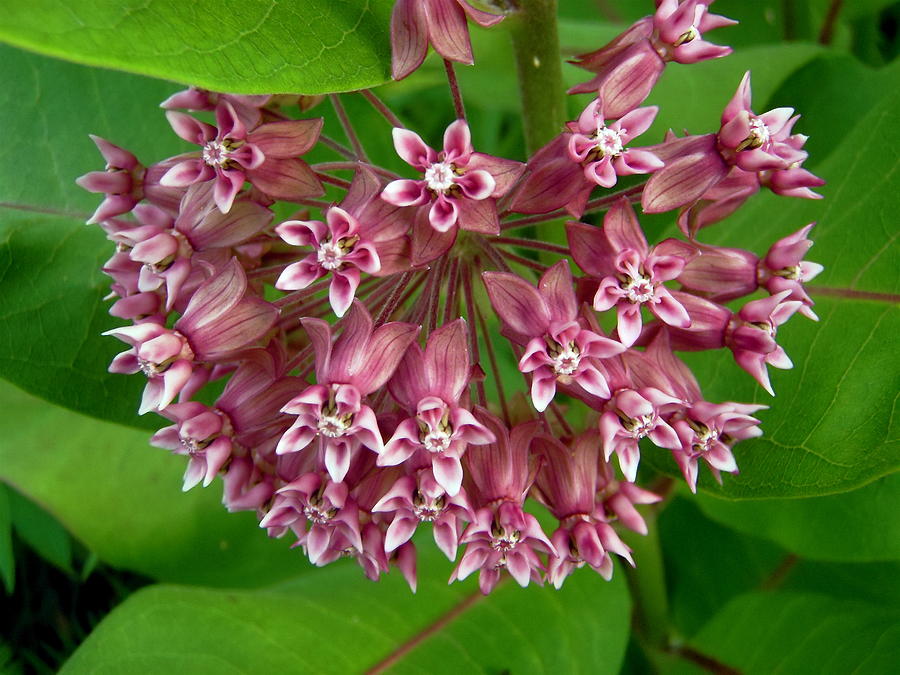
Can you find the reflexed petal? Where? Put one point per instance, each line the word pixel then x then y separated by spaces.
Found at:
pixel 447 30
pixel 412 149
pixel 409 37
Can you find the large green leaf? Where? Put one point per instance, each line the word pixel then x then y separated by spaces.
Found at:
pixel 241 46
pixel 123 499
pixel 831 427
pixel 336 621
pixel 802 633
pixel 707 564
pixel 862 525
pixel 51 308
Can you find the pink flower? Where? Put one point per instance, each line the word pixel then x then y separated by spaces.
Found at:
pixel 360 361
pixel 632 273
pixel 568 485
pixel 600 148
pixel 419 498
pixel 752 333
pixel 322 505
pixel 545 320
pixel 503 535
pixel 783 269
pixel 416 23
pixel 338 248
pixel 757 142
pixel 632 415
pixel 707 431
pixel 430 384
pixel 230 155
pixel 628 67
pixel 460 186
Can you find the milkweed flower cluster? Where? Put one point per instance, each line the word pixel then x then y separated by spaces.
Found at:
pixel 366 343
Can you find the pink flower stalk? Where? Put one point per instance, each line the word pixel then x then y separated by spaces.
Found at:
pixel 419 498
pixel 502 535
pixel 323 505
pixel 719 201
pixel 628 67
pixel 460 186
pixel 600 147
pixel 752 335
pixel 632 415
pixel 231 155
pixel 416 23
pixel 568 487
pixel 558 348
pixel 360 361
pixel 783 269
pixel 430 385
pixel 631 272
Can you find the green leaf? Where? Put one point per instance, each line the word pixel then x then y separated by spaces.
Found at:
pixel 123 499
pixel 707 564
pixel 339 622
pixel 831 427
pixel 863 525
pixel 41 531
pixel 51 307
pixel 802 633
pixel 7 559
pixel 869 582
pixel 249 47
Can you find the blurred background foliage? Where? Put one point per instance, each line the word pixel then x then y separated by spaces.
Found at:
pixel 90 514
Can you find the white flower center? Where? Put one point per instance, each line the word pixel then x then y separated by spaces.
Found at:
pixel 638 289
pixel 440 176
pixel 504 541
pixel 639 427
pixel 706 438
pixel 330 255
pixel 216 153
pixel 192 446
pixel 316 514
pixel 427 510
pixel 565 359
pixel 333 425
pixel 609 141
pixel 759 131
pixel 436 440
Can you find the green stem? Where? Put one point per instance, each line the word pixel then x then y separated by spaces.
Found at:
pixel 536 44
pixel 647 582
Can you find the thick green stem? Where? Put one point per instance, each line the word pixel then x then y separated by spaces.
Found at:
pixel 536 44
pixel 647 582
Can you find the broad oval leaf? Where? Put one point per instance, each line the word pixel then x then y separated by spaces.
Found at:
pixel 862 525
pixel 123 499
pixel 336 621
pixel 801 633
pixel 240 46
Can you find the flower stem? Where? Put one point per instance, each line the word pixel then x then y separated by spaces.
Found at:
pixel 536 44
pixel 647 582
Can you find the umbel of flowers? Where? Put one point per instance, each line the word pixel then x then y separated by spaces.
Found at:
pixel 366 343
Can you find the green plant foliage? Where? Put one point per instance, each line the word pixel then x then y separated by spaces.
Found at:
pixel 707 564
pixel 336 621
pixel 122 498
pixel 802 633
pixel 831 427
pixel 51 290
pixel 7 561
pixel 41 531
pixel 862 525
pixel 245 46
